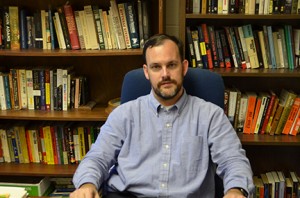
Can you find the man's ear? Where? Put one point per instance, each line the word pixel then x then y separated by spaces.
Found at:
pixel 145 68
pixel 185 65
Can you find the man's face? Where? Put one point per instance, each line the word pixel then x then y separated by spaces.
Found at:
pixel 165 70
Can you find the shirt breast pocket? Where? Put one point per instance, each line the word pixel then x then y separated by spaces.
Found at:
pixel 192 153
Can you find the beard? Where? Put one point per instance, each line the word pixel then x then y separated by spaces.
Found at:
pixel 171 93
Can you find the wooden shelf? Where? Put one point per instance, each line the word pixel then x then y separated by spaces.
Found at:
pixel 232 72
pixel 31 169
pixel 97 114
pixel 70 53
pixel 243 16
pixel 268 140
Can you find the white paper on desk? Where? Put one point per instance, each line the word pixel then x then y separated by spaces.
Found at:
pixel 14 192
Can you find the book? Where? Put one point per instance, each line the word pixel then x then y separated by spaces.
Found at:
pixel 44 17
pixel 213 42
pixel 287 98
pixel 34 186
pixel 244 47
pixel 202 46
pixel 23 29
pixel 91 28
pixel 259 187
pixel 195 40
pixel 252 96
pixel 59 31
pixel 219 50
pixel 79 29
pixel 207 45
pixel 295 182
pixel 242 112
pixel 123 19
pixel 64 27
pixel 117 25
pixel 250 44
pixel 14 27
pixel 268 111
pixel 140 23
pixel 233 93
pixel 131 18
pixel 231 47
pixel 272 47
pixel 225 48
pixel 292 116
pixel 296 125
pixel 256 114
pixel 260 34
pixel 98 26
pixel 71 24
pixel 22 87
pixel 192 55
pixel 262 112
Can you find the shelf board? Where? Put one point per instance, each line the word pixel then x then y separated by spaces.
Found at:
pixel 69 53
pixel 269 140
pixel 233 72
pixel 32 169
pixel 243 16
pixel 97 114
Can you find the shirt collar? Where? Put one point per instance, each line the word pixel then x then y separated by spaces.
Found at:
pixel 156 106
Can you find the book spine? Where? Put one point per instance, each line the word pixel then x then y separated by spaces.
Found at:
pixel 43 89
pixel 71 24
pixel 64 26
pixel 99 27
pixel 6 29
pixel 23 29
pixel 131 19
pixel 53 35
pixel 14 27
pixel 122 14
pixel 208 45
pixel 7 91
pixel 251 48
pixel 192 55
pixel 38 43
pixel 22 87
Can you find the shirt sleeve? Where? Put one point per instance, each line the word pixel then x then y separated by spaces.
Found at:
pixel 227 153
pixel 95 166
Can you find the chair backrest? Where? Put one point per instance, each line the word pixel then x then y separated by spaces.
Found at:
pixel 198 82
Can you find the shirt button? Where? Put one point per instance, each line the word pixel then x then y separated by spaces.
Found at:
pixel 166 146
pixel 162 185
pixel 165 165
pixel 168 125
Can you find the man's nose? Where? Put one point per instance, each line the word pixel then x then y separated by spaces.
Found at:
pixel 165 71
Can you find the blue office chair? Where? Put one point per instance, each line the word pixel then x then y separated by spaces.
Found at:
pixel 197 82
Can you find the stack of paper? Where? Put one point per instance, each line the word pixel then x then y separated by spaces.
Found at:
pixel 13 192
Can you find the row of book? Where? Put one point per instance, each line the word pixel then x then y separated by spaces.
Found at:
pixel 277 184
pixel 43 88
pixel 47 143
pixel 122 25
pixel 243 46
pixel 243 6
pixel 263 112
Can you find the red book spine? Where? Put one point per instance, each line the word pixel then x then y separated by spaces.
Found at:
pixel 208 46
pixel 70 18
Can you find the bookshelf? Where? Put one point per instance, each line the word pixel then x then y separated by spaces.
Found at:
pixel 266 153
pixel 104 69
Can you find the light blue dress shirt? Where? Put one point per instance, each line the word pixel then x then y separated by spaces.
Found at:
pixel 164 152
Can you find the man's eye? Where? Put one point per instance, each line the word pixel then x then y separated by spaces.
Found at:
pixel 156 67
pixel 172 65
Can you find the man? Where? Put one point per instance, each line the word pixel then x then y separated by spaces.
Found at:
pixel 165 144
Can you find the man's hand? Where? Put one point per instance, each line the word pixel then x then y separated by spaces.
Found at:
pixel 234 193
pixel 85 191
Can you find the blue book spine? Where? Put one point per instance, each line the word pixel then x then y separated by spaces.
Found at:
pixel 272 50
pixel 42 87
pixel 7 91
pixel 53 37
pixel 131 18
pixel 23 29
